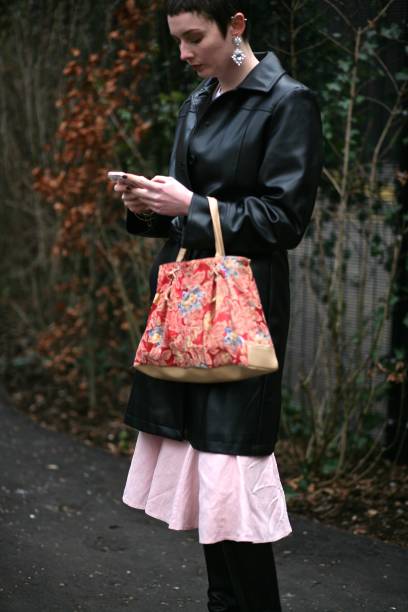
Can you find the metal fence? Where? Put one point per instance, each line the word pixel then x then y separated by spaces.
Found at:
pixel 307 321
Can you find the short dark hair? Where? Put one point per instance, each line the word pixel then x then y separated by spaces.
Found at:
pixel 219 11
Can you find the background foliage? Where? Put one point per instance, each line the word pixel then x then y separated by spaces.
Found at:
pixel 90 86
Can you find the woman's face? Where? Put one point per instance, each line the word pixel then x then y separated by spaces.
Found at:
pixel 201 43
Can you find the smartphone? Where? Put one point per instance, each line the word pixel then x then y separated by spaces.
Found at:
pixel 116 176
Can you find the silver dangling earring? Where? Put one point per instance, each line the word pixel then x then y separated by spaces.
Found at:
pixel 238 56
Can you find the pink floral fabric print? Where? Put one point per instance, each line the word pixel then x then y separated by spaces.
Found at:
pixel 203 315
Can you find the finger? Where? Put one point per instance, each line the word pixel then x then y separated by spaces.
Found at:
pixel 149 184
pixel 160 179
pixel 138 180
pixel 133 202
pixel 121 187
pixel 138 194
pixel 150 195
pixel 129 195
pixel 139 205
pixel 155 206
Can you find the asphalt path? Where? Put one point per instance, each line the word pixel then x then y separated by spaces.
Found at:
pixel 69 544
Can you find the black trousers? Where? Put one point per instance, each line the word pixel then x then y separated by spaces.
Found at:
pixel 241 577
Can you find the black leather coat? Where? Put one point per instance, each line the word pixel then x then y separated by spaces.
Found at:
pixel 258 150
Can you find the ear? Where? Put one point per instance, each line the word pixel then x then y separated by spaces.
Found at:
pixel 238 24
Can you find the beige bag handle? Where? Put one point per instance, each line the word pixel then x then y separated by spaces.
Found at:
pixel 219 242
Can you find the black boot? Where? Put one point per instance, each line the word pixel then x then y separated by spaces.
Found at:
pixel 253 576
pixel 221 597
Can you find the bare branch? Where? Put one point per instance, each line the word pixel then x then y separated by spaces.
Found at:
pixel 372 22
pixel 379 102
pixel 130 143
pixel 286 6
pixel 336 42
pixel 391 118
pixel 387 71
pixel 332 180
pixel 305 24
pixel 341 14
pixel 279 50
pixel 391 143
pixel 23 316
pixel 309 47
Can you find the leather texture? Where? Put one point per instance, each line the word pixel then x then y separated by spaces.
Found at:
pixel 258 150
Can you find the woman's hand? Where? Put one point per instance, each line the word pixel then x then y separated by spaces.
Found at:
pixel 130 200
pixel 163 195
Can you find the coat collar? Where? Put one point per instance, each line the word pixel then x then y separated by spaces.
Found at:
pixel 265 74
pixel 262 78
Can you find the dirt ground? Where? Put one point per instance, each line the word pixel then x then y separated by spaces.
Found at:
pixel 376 505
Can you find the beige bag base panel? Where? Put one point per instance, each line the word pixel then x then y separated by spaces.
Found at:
pixel 263 357
pixel 262 361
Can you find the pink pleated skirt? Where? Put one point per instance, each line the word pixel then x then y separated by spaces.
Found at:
pixel 225 497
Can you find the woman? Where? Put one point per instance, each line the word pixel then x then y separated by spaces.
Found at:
pixel 250 136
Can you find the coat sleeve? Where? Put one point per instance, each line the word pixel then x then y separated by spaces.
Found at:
pixel 278 212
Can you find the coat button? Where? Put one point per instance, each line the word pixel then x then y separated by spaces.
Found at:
pixel 191 158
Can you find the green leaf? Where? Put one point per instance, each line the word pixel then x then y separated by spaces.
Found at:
pixel 334 86
pixel 124 114
pixel 344 104
pixel 393 31
pixel 402 76
pixel 344 65
pixel 329 466
pixel 289 492
pixel 399 354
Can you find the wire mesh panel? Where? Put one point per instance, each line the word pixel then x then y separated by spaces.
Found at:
pixel 366 287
